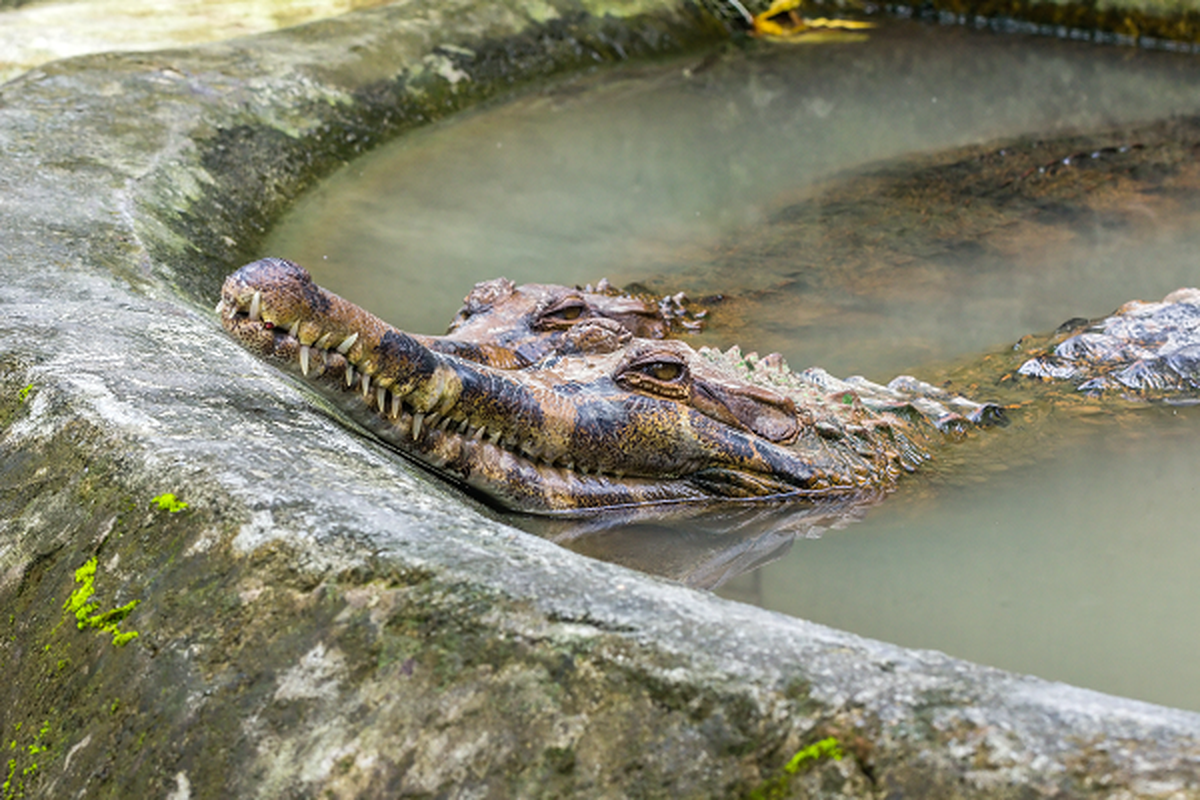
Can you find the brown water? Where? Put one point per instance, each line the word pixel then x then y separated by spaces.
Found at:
pixel 1073 559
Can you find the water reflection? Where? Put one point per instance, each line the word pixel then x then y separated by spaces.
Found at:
pixel 702 546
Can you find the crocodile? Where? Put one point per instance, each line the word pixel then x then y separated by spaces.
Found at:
pixel 606 419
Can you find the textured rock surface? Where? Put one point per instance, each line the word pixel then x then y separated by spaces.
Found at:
pixel 50 30
pixel 324 620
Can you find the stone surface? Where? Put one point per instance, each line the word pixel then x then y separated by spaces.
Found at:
pixel 323 619
pixel 45 31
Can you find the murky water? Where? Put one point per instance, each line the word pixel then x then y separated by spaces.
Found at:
pixel 1075 563
pixel 1082 568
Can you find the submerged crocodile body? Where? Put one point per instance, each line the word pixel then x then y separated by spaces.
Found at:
pixel 605 419
pixel 1147 350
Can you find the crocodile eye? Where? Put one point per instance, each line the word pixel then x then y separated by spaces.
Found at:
pixel 566 313
pixel 570 312
pixel 563 313
pixel 659 373
pixel 665 371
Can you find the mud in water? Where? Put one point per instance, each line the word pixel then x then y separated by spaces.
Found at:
pixel 950 253
pixel 905 205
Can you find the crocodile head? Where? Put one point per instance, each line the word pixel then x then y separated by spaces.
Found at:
pixel 610 421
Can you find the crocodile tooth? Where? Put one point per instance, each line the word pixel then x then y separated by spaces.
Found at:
pixel 323 342
pixel 569 466
pixel 494 436
pixel 366 385
pixel 396 406
pixel 418 420
pixel 256 307
pixel 304 360
pixel 347 343
pixel 294 329
pixel 349 375
pixel 445 424
pixel 432 418
pixel 381 398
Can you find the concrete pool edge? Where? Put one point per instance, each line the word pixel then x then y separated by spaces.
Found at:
pixel 322 617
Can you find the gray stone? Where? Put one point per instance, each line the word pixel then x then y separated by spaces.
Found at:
pixel 323 619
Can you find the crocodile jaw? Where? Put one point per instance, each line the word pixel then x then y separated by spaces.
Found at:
pixel 506 434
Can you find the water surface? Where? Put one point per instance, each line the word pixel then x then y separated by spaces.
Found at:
pixel 1064 546
pixel 1080 568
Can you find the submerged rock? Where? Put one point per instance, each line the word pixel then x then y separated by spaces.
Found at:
pixel 322 619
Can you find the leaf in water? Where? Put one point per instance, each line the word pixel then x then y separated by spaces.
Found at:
pixel 782 23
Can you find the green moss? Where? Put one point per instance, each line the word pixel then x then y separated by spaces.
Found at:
pixel 79 604
pixel 168 502
pixel 807 757
pixel 9 789
pixel 13 389
pixel 826 748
